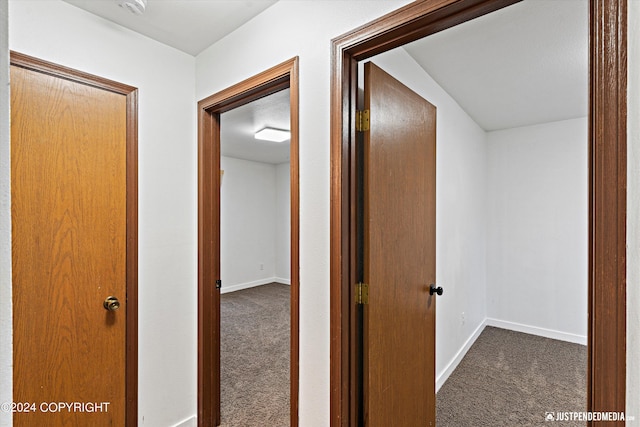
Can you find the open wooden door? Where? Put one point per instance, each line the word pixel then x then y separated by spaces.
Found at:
pixel 399 189
pixel 73 248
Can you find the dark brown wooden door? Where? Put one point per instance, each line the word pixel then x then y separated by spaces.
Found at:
pixel 399 254
pixel 68 159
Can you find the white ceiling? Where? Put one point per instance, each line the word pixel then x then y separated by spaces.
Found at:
pixel 238 126
pixel 522 65
pixel 188 25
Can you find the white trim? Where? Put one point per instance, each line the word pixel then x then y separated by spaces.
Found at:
pixel 189 422
pixel 240 286
pixel 455 361
pixel 282 281
pixel 535 330
pixel 512 326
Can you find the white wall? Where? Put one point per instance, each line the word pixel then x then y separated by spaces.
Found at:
pixel 247 223
pixel 633 214
pixel 283 223
pixel 305 29
pixel 6 349
pixel 286 31
pixel 538 227
pixel 56 31
pixel 255 224
pixel 460 212
pixel 511 224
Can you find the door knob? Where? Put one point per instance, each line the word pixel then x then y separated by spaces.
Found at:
pixel 434 290
pixel 111 303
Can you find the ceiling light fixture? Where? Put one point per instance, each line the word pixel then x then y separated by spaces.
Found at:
pixel 274 135
pixel 136 7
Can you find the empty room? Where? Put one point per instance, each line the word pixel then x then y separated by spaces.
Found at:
pixel 255 265
pixel 511 217
pixel 531 241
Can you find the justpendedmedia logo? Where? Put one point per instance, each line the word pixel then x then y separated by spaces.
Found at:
pixel 587 416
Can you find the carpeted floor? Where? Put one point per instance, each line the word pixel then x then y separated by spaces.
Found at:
pixel 512 379
pixel 254 356
pixel 507 379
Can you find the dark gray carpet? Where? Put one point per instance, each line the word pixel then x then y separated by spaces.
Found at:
pixel 254 356
pixel 512 379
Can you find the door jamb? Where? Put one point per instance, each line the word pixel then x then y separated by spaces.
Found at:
pixel 279 77
pixel 131 93
pixel 606 371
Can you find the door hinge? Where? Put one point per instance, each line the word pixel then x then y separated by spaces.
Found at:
pixel 362 120
pixel 362 293
pixel 218 284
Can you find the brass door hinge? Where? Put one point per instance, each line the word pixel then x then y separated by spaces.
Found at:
pixel 362 121
pixel 362 293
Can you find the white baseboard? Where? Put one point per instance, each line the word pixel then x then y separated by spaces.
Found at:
pixel 453 364
pixel 189 422
pixel 512 326
pixel 534 330
pixel 240 286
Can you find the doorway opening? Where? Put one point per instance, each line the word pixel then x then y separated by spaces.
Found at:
pixel 511 206
pixel 283 77
pixel 607 196
pixel 255 262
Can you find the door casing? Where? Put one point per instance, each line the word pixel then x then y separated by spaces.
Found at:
pixel 606 370
pixel 279 77
pixel 131 93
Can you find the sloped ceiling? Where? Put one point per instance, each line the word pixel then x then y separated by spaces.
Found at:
pixel 522 65
pixel 188 25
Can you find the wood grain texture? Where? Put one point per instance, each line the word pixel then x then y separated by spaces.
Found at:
pixel 409 23
pixel 279 77
pixel 208 299
pixel 606 377
pixel 132 257
pixel 294 180
pixel 607 121
pixel 131 93
pixel 399 254
pixel 412 22
pixel 69 247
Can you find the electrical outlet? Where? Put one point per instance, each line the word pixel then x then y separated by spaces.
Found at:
pixel 463 319
pixel 261 266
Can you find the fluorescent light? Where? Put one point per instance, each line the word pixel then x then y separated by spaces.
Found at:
pixel 274 135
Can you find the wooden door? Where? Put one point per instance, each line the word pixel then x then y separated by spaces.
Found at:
pixel 69 210
pixel 399 254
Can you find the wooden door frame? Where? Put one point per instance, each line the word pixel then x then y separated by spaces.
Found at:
pixel 606 371
pixel 279 77
pixel 131 94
